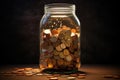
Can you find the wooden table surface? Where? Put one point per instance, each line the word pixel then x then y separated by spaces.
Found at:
pixel 94 72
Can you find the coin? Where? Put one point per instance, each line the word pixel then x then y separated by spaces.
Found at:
pixel 68 33
pixel 27 69
pixel 68 38
pixel 20 69
pixel 50 65
pixel 30 74
pixel 57 43
pixel 39 74
pixel 50 49
pixel 81 77
pixel 64 27
pixel 71 49
pixel 71 78
pixel 63 46
pixel 73 30
pixel 66 52
pixel 68 58
pixel 54 32
pixel 61 35
pixel 67 43
pixel 62 55
pixel 35 70
pixel 58 48
pixel 53 39
pixel 55 52
pixel 53 78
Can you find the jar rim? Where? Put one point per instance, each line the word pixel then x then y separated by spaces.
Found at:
pixel 60 7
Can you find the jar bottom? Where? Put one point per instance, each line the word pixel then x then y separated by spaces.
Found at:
pixel 61 71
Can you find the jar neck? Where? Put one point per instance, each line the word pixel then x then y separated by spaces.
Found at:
pixel 60 8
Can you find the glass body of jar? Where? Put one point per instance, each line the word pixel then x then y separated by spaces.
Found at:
pixel 59 39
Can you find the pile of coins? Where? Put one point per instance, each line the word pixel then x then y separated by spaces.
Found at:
pixel 60 48
pixel 26 71
pixel 68 77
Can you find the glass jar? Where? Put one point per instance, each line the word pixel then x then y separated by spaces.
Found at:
pixel 59 39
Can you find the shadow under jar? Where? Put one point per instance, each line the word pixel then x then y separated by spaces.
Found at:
pixel 59 39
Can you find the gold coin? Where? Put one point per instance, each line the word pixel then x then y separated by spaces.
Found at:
pixel 66 52
pixel 67 43
pixel 53 78
pixel 71 78
pixel 61 34
pixel 68 58
pixel 73 30
pixel 81 77
pixel 20 69
pixel 50 65
pixel 58 48
pixel 55 52
pixel 27 69
pixel 63 46
pixel 64 27
pixel 68 32
pixel 36 70
pixel 67 37
pixel 61 55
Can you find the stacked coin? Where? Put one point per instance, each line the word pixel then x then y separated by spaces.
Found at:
pixel 60 49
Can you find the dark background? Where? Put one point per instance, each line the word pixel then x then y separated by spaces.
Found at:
pixel 20 31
